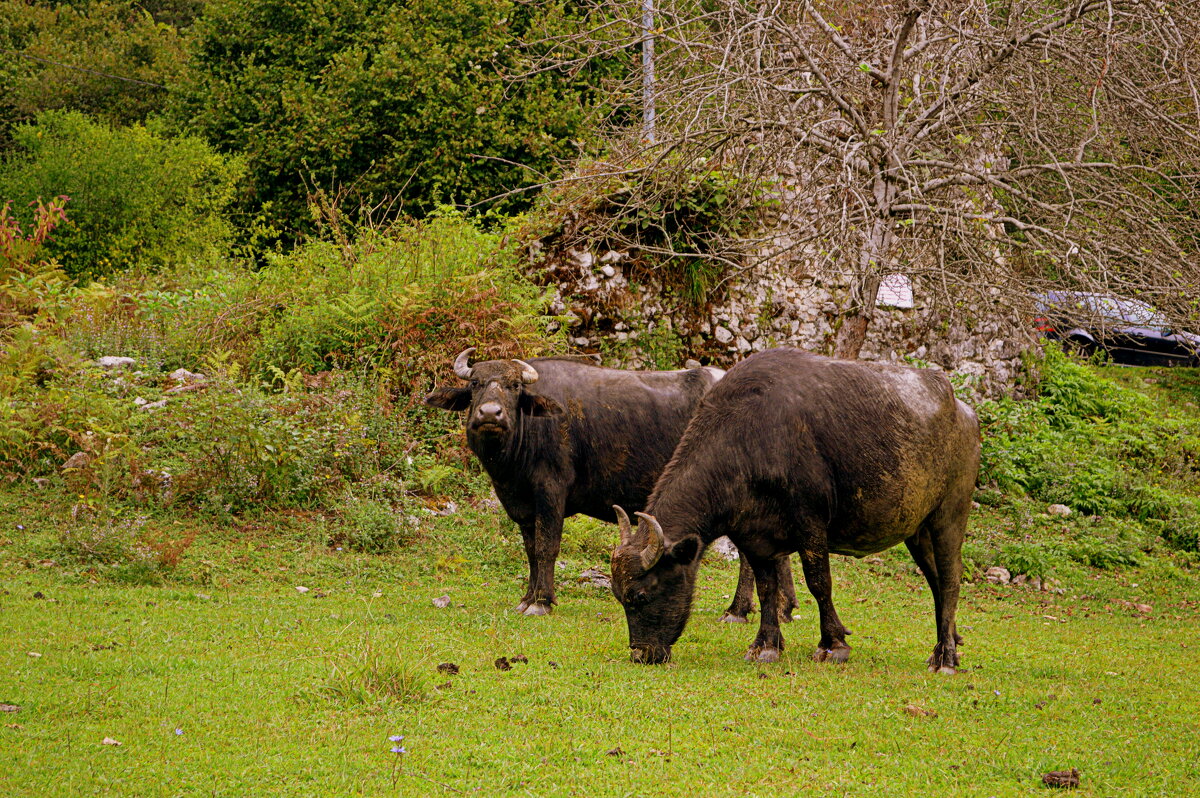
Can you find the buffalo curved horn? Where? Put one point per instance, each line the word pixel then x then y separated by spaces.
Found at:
pixel 461 367
pixel 623 523
pixel 655 542
pixel 529 374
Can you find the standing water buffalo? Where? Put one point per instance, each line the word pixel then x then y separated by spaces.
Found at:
pixel 561 435
pixel 797 452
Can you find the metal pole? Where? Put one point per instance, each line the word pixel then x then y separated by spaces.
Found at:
pixel 648 70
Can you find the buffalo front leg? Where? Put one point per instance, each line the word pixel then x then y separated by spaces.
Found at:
pixel 742 604
pixel 529 538
pixel 543 554
pixel 768 645
pixel 832 647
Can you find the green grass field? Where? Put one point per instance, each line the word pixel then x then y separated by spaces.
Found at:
pixel 229 681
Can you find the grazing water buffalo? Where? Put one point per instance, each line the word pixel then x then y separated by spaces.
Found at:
pixel 797 452
pixel 561 435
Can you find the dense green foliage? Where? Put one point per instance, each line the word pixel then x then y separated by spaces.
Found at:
pixel 405 103
pixel 136 196
pixel 111 59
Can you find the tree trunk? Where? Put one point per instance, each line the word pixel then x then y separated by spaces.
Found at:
pixel 875 251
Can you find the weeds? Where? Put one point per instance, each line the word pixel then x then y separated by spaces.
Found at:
pixel 370 677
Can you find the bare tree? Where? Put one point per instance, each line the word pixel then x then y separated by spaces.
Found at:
pixel 980 146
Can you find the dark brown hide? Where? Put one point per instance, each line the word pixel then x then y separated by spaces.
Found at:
pixel 793 452
pixel 577 439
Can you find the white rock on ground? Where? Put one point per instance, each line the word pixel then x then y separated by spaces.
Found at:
pixel 115 362
pixel 725 549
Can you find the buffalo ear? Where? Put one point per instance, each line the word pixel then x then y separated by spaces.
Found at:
pixel 449 398
pixel 537 405
pixel 686 550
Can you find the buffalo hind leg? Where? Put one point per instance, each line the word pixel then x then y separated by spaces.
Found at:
pixel 769 643
pixel 787 589
pixel 742 604
pixel 815 559
pixel 921 548
pixel 937 548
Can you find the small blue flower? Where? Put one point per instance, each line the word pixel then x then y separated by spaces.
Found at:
pixel 399 749
pixel 178 732
pixel 395 738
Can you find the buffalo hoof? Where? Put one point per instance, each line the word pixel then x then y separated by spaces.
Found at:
pixel 762 654
pixel 729 617
pixel 838 654
pixel 537 608
pixel 945 664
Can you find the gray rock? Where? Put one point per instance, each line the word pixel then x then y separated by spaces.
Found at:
pixel 183 375
pixel 608 271
pixel 442 602
pixel 723 335
pixel 691 364
pixel 77 460
pixel 150 406
pixel 1059 509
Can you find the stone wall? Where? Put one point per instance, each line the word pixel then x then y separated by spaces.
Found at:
pixel 613 306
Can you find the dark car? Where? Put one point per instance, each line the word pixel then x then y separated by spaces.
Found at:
pixel 1130 331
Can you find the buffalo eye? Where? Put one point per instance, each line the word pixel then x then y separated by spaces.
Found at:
pixel 638 598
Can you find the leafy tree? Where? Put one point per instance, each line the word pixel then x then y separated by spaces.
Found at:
pixel 137 195
pixel 108 59
pixel 403 101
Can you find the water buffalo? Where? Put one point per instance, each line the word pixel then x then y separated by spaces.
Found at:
pixel 796 452
pixel 561 435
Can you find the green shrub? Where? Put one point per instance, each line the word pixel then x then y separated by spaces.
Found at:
pixel 400 100
pixel 371 526
pixel 1031 559
pixel 1097 447
pixel 137 195
pixel 407 301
